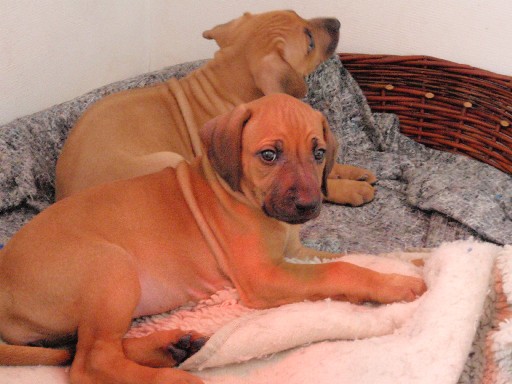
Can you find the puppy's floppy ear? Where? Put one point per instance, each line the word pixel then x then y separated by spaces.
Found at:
pixel 225 34
pixel 222 138
pixel 330 155
pixel 273 74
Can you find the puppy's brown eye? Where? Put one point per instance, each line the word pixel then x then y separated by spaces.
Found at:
pixel 311 41
pixel 268 155
pixel 319 154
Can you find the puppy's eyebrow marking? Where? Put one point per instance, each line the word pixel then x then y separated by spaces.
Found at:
pixel 276 145
pixel 316 143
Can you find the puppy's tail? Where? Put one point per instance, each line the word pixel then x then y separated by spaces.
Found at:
pixel 24 355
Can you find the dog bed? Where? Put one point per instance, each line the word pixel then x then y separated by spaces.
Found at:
pixel 425 198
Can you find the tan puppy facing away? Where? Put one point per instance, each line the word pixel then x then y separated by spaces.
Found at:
pixel 90 263
pixel 141 131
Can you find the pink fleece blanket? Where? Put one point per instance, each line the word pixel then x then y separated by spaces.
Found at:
pixel 426 341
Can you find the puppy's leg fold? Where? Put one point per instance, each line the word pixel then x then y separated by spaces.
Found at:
pixel 107 311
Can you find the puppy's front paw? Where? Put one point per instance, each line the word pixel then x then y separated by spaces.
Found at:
pixel 350 172
pixel 349 192
pixel 399 288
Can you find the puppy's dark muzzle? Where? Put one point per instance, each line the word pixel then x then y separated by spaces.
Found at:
pixel 332 26
pixel 293 210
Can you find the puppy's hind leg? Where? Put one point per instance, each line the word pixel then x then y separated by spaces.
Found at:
pixel 106 315
pixel 146 164
pixel 157 161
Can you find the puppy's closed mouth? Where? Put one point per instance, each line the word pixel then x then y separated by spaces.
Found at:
pixel 297 217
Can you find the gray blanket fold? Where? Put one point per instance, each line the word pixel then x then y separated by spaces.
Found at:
pixel 423 196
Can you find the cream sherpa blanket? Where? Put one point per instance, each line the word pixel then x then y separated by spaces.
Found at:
pixel 426 341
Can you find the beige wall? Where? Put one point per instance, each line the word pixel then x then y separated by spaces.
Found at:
pixel 52 51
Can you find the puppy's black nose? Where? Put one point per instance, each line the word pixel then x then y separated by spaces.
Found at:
pixel 306 207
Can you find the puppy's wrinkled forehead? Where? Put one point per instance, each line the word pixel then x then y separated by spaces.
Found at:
pixel 274 116
pixel 281 19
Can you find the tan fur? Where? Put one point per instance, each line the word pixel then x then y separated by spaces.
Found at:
pixel 141 131
pixel 90 263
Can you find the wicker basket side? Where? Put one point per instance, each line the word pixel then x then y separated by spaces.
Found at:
pixel 444 105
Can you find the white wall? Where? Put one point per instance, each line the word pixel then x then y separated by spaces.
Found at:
pixel 54 50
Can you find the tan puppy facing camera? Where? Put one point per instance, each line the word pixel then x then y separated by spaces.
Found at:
pixel 89 264
pixel 141 131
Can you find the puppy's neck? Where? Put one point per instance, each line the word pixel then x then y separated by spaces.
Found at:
pixel 231 65
pixel 223 215
pixel 201 172
pixel 219 186
pixel 218 86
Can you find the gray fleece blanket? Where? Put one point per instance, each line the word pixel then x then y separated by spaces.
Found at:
pixel 424 196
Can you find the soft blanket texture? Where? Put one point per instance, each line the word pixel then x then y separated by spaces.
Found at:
pixel 429 346
pixel 424 198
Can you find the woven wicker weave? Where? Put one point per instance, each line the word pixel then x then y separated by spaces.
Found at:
pixel 444 105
